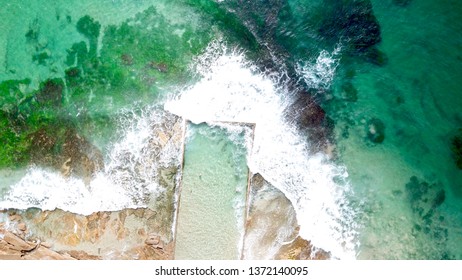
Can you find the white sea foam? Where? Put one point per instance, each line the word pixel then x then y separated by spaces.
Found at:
pixel 232 89
pixel 129 176
pixel 48 190
pixel 319 73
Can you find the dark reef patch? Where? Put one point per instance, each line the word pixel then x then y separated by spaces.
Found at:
pixel 425 200
pixel 376 131
pixel 349 92
pixel 90 28
pixel 352 22
pixel 310 117
pixel 456 148
pixel 51 92
pixel 423 195
pixel 402 3
pixel 375 56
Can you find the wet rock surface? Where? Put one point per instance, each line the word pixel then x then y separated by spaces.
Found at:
pixel 142 233
pixel 272 227
pixel 103 235
pixel 311 118
pixel 67 151
pixel 16 247
pixel 301 249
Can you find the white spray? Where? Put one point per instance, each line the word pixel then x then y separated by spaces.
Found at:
pixel 232 89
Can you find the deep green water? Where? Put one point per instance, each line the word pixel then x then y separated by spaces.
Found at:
pixel 387 73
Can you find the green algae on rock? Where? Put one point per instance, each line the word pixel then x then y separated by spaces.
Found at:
pixel 90 29
pixel 15 146
pixel 50 93
pixel 113 66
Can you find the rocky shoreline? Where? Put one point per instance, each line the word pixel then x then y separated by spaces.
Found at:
pixel 143 234
pixel 59 235
pixel 148 233
pixel 272 227
pixel 117 235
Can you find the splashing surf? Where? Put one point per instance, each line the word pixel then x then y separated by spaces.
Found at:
pixel 233 89
pixel 130 178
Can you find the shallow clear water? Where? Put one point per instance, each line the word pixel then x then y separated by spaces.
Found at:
pixel 211 213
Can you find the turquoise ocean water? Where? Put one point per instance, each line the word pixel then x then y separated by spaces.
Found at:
pixel 385 73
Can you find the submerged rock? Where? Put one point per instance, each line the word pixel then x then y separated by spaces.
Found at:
pixel 375 56
pixel 376 130
pixel 439 198
pixel 51 91
pixel 32 34
pixel 353 23
pixel 423 194
pixel 306 111
pixel 101 235
pixel 309 116
pixel 78 53
pixel 349 92
pixel 425 200
pixel 73 76
pixel 90 28
pixel 402 3
pixel 456 148
pixel 65 150
pixel 127 59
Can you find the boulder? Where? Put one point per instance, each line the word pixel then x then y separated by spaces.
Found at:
pixel 152 240
pixel 15 217
pixel 18 243
pixel 309 116
pixel 22 227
